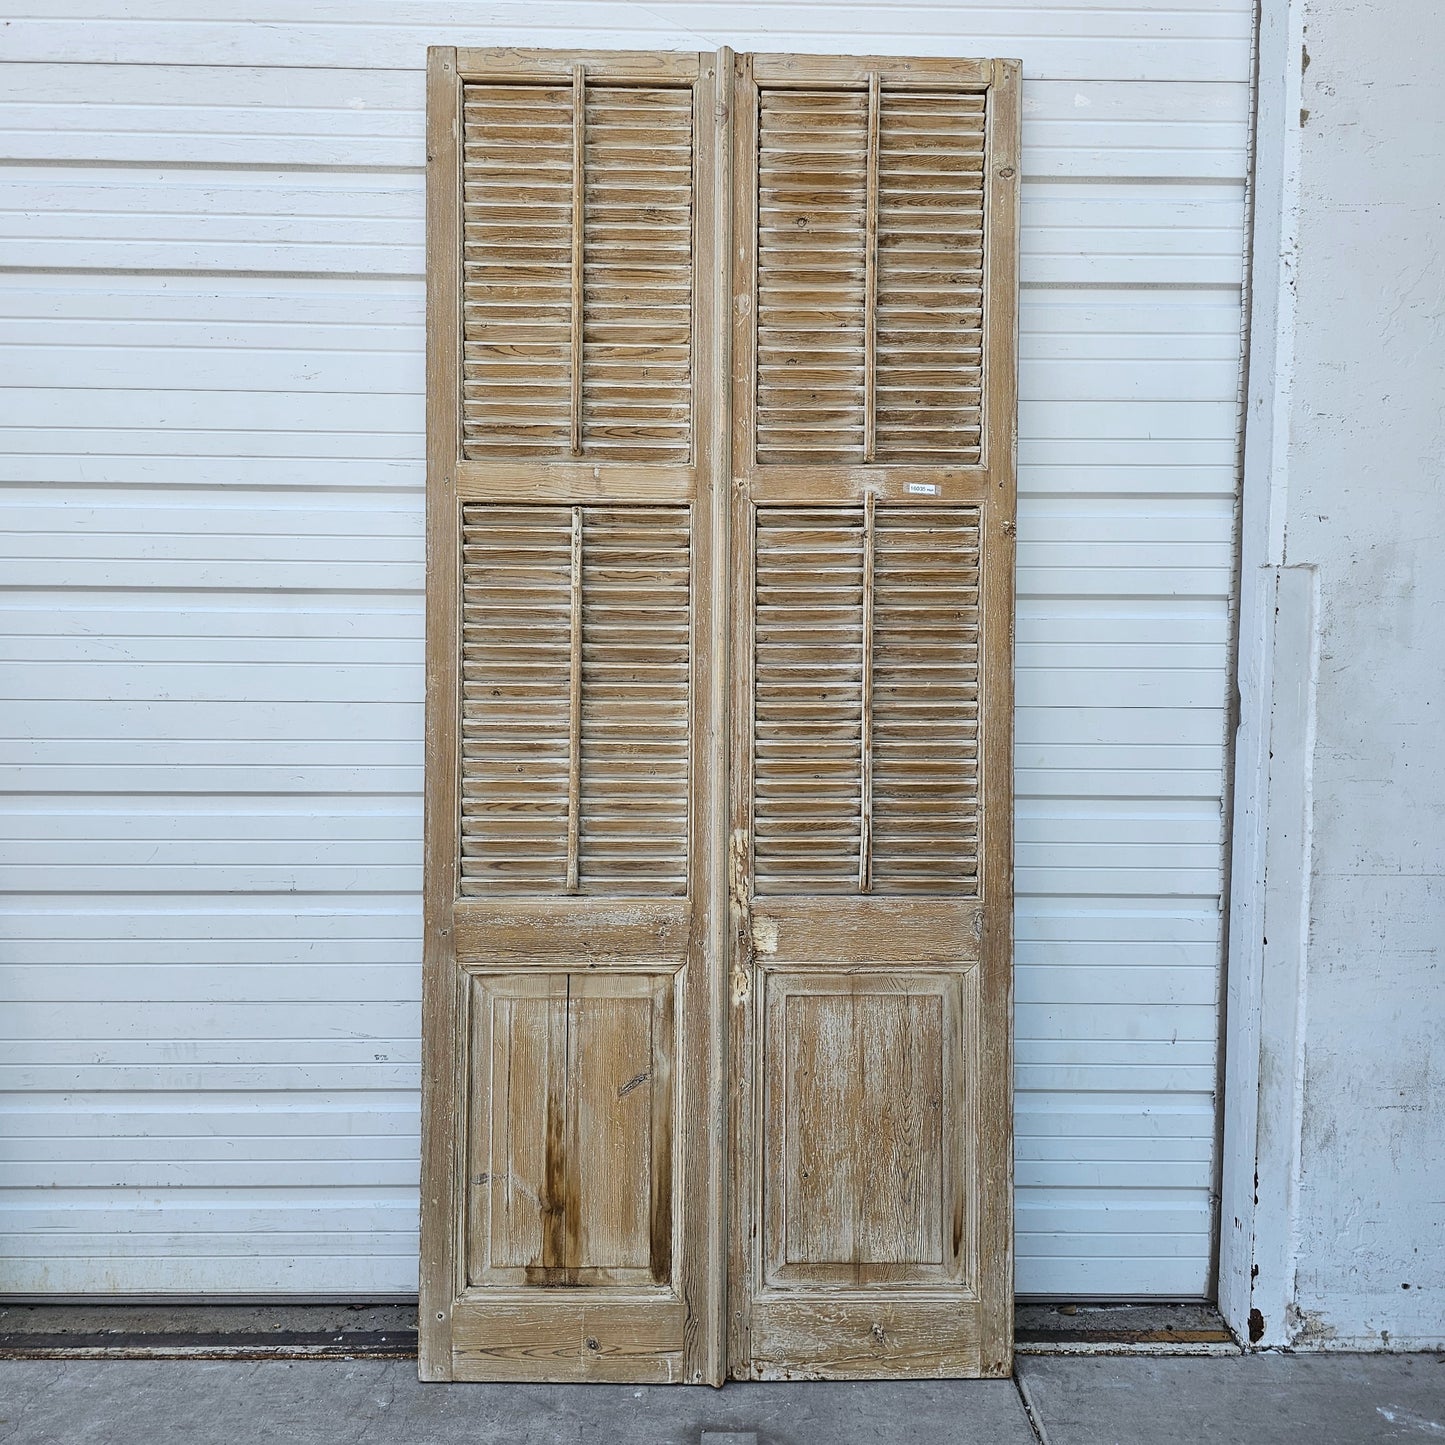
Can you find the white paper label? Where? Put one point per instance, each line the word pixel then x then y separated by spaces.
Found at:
pixel 922 489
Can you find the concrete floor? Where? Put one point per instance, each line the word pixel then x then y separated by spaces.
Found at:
pixel 379 1402
pixel 1241 1400
pixel 1136 1400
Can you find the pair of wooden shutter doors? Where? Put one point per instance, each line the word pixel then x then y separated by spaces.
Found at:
pixel 718 890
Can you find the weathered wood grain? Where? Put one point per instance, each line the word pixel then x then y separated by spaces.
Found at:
pixel 571 1338
pixel 567 482
pixel 876 928
pixel 440 1152
pixel 509 929
pixel 570 1148
pixel 741 1077
pixel 873 522
pixel 578 236
pixel 702 1262
pixel 864 1339
pixel 575 699
pixel 727 648
pixel 518 63
pixel 577 1073
pixel 995 1100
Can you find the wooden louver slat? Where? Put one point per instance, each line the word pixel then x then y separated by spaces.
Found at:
pixel 577 251
pixel 925 701
pixel 865 727
pixel 575 682
pixel 516 704
pixel 637 275
pixel 516 270
pixel 808 705
pixel 812 264
pixel 870 275
pixel 635 632
pixel 930 277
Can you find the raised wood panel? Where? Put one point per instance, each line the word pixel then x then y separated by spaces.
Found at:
pixel 866 1128
pixel 575 700
pixel 577 270
pixel 569 1140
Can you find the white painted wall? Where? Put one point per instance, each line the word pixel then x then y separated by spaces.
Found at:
pixel 211 482
pixel 1342 829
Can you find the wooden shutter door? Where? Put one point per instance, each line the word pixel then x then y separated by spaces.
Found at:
pixel 642 923
pixel 872 547
pixel 574 912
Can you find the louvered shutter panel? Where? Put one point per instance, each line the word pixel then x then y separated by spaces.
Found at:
pixel 870 274
pixel 575 685
pixel 873 467
pixel 572 457
pixel 893 593
pixel 577 248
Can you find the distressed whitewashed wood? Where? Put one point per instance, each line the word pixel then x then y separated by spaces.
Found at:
pixel 577 310
pixel 151 390
pixel 871 742
pixel 569 1193
pixel 871 861
pixel 575 693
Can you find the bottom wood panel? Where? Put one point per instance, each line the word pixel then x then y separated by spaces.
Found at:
pixel 569 1337
pixel 867 1128
pixel 570 1130
pixel 864 1339
pixel 866 1260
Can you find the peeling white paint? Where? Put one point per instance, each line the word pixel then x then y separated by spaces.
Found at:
pixel 1334 1240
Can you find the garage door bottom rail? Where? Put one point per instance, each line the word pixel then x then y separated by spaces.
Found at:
pixel 183 1330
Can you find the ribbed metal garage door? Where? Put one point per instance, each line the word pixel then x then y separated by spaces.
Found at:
pixel 211 310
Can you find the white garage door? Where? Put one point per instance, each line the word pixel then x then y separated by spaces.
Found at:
pixel 211 308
